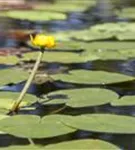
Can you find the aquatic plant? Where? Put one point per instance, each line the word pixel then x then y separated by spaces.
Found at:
pixel 43 42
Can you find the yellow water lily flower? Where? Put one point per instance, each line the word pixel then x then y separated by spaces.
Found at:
pixel 42 40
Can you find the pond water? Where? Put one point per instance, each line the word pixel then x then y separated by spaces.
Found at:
pixel 14 34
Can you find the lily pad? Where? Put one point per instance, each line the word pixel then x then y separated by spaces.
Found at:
pixel 35 15
pixel 107 45
pixel 2 117
pixel 65 6
pixel 30 126
pixel 116 28
pixel 83 97
pixel 90 35
pixel 128 36
pixel 84 35
pixel 106 31
pixel 65 57
pixel 9 60
pixel 106 123
pixel 12 76
pixel 127 13
pixel 105 54
pixel 92 77
pixel 29 147
pixel 8 98
pixel 82 145
pixel 124 101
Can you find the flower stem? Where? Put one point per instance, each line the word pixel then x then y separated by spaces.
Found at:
pixel 16 104
pixel 31 141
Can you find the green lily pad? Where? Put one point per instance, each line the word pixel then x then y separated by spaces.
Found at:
pixel 128 36
pixel 107 123
pixel 29 147
pixel 101 50
pixel 12 76
pixel 8 98
pixel 30 126
pixel 82 145
pixel 2 117
pixel 63 57
pixel 10 60
pixel 124 101
pixel 89 35
pixel 83 97
pixel 107 31
pixel 106 45
pixel 92 77
pixel 106 54
pixel 35 15
pixel 85 35
pixel 119 27
pixel 127 13
pixel 65 6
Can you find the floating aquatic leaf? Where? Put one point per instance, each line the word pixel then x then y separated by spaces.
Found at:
pixel 29 147
pixel 82 145
pixel 106 31
pixel 92 77
pixel 12 76
pixel 35 15
pixel 106 54
pixel 127 36
pixel 107 46
pixel 65 6
pixel 82 97
pixel 124 101
pixel 65 57
pixel 2 117
pixel 31 126
pixel 84 35
pixel 107 123
pixel 9 60
pixel 8 98
pixel 128 12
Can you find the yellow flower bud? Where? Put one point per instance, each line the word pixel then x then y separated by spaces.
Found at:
pixel 42 40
